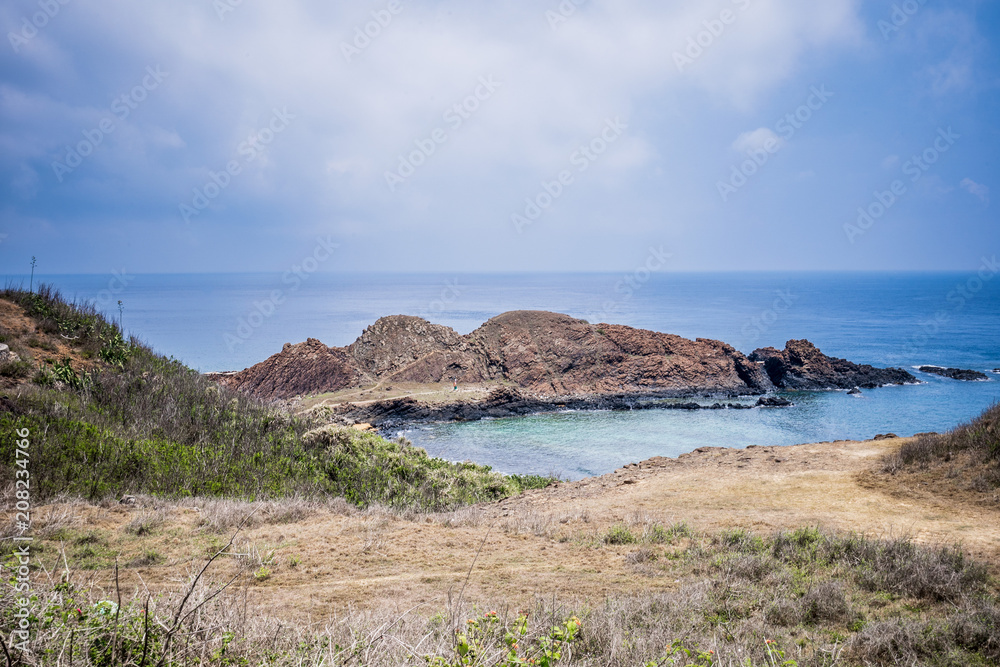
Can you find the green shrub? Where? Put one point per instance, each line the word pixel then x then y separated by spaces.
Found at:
pixel 15 369
pixel 619 534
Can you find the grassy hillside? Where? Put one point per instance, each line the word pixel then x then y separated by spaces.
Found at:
pixel 110 417
pixel 963 461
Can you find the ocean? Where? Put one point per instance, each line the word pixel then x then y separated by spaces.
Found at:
pixel 216 322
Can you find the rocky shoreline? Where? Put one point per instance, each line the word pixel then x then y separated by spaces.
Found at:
pixel 509 402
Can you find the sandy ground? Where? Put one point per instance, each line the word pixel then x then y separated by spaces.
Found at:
pixel 433 394
pixel 547 543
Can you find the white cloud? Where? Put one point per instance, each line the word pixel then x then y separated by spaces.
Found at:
pixel 890 162
pixel 761 139
pixel 976 189
pixel 353 119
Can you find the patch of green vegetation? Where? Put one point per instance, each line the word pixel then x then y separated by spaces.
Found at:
pixel 528 482
pixel 143 423
pixel 619 534
pixel 79 322
pixel 365 469
pixel 91 553
pixel 16 369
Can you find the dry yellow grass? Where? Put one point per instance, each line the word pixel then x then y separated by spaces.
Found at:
pixel 542 544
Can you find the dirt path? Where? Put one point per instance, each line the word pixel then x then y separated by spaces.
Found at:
pixel 548 542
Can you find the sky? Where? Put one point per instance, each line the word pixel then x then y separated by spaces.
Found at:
pixel 174 136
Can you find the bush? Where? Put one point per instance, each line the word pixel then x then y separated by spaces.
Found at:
pixel 825 602
pixel 366 469
pixel 15 369
pixel 619 534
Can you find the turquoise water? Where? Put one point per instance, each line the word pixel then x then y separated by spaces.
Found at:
pixel 224 322
pixel 579 444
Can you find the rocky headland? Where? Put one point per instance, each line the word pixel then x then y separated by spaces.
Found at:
pixel 532 361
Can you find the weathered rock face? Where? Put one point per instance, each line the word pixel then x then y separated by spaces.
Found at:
pixel 955 373
pixel 556 354
pixel 393 344
pixel 309 367
pixel 549 355
pixel 802 366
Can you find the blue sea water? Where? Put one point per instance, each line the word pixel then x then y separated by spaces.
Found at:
pixel 217 322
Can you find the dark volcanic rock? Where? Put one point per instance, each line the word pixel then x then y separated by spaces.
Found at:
pixel 954 373
pixel 802 366
pixel 512 402
pixel 773 402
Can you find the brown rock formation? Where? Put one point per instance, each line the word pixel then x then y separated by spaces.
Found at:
pixel 309 367
pixel 545 354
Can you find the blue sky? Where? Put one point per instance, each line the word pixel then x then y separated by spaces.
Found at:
pixel 228 135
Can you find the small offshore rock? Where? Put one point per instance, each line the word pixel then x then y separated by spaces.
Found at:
pixel 773 402
pixel 954 373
